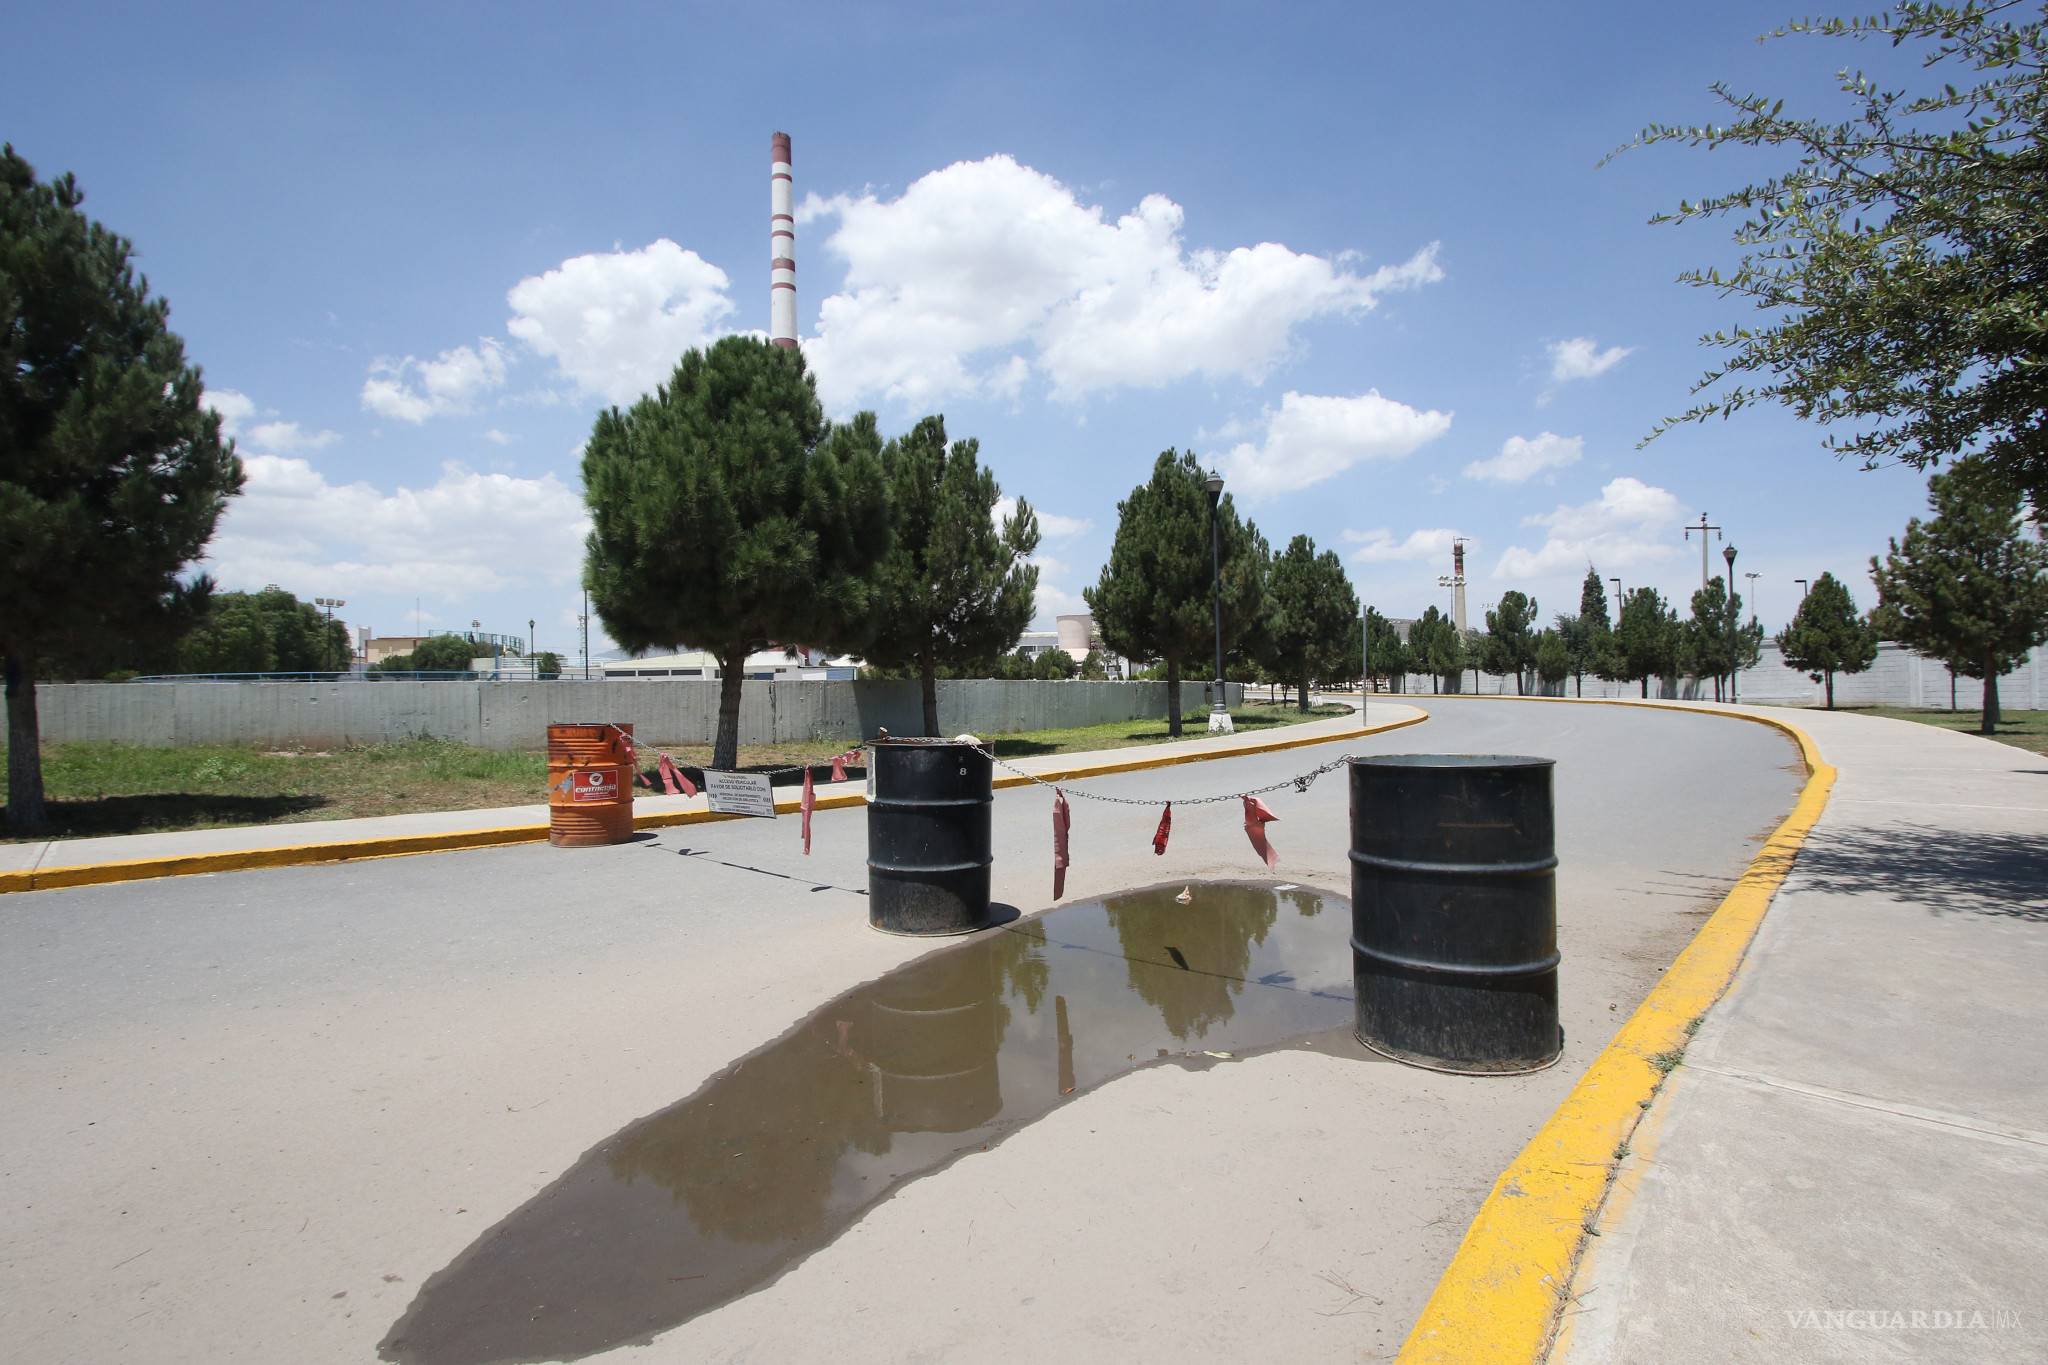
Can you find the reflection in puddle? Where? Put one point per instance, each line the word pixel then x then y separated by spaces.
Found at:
pixel 774 1157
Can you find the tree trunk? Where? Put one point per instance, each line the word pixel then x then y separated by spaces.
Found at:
pixel 1830 675
pixel 1579 684
pixel 1646 686
pixel 732 678
pixel 1304 692
pixel 1173 696
pixel 1988 721
pixel 25 810
pixel 928 689
pixel 1951 687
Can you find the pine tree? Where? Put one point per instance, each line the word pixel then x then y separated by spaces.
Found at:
pixel 1827 636
pixel 1436 648
pixel 1509 647
pixel 113 472
pixel 1646 640
pixel 1553 660
pixel 954 588
pixel 727 516
pixel 1153 600
pixel 1588 638
pixel 1310 610
pixel 1967 586
pixel 1391 659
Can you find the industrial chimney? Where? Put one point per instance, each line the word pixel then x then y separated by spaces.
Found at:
pixel 781 244
pixel 1458 583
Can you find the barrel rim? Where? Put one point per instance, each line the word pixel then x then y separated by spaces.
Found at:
pixel 1451 761
pixel 915 742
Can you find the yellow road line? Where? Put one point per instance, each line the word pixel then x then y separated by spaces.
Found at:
pixel 392 846
pixel 1501 1293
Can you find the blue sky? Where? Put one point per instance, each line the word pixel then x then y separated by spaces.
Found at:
pixel 1360 257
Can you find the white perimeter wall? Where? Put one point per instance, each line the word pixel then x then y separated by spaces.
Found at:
pixel 515 715
pixel 1899 677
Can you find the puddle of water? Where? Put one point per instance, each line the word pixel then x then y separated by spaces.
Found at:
pixel 778 1154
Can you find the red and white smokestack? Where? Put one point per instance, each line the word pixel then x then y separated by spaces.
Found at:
pixel 781 244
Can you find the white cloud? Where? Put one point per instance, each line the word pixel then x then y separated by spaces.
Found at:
pixel 233 406
pixel 287 438
pixel 1378 546
pixel 464 534
pixel 1522 458
pixel 1629 524
pixel 615 323
pixel 1052 602
pixel 984 272
pixel 412 390
pixel 1582 358
pixel 1313 437
pixel 498 438
pixel 1051 525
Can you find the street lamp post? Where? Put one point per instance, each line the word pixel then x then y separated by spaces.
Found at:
pixel 1219 714
pixel 1733 662
pixel 1617 601
pixel 330 603
pixel 1752 577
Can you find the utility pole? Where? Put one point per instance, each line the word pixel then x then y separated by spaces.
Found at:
pixel 584 621
pixel 1752 577
pixel 1365 680
pixel 1703 528
pixel 1617 602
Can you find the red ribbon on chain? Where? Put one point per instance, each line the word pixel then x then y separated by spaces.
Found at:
pixel 673 779
pixel 809 802
pixel 1165 829
pixel 1062 822
pixel 1256 817
pixel 839 768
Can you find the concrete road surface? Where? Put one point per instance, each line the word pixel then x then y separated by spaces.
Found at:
pixel 248 1115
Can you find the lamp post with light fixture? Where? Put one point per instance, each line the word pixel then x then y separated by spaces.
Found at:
pixel 1219 713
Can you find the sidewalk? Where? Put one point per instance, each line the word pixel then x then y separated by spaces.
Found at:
pixel 72 862
pixel 1851 1162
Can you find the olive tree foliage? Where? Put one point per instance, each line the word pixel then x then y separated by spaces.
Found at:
pixel 1307 631
pixel 1828 635
pixel 727 515
pixel 270 631
pixel 1968 586
pixel 954 588
pixel 1897 261
pixel 1153 600
pixel 113 471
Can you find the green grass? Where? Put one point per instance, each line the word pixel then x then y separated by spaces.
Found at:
pixel 128 789
pixel 2022 729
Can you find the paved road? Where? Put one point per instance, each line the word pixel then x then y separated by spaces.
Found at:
pixel 249 1114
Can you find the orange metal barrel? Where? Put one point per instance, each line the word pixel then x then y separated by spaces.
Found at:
pixel 590 784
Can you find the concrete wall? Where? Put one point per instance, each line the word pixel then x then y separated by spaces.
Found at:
pixel 515 715
pixel 1899 677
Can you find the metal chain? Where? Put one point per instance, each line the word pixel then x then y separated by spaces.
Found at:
pixel 1301 782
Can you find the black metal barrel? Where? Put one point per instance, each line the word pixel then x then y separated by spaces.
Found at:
pixel 1454 910
pixel 933 1030
pixel 928 837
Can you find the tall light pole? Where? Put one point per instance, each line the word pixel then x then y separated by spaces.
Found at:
pixel 1617 602
pixel 584 621
pixel 1802 588
pixel 529 637
pixel 1729 555
pixel 1752 577
pixel 330 603
pixel 1703 528
pixel 1219 714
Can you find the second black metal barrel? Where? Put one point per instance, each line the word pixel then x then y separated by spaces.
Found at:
pixel 1454 910
pixel 928 837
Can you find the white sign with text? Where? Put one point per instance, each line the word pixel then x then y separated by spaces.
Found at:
pixel 739 793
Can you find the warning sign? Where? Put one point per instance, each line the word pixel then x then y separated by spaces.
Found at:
pixel 739 793
pixel 594 784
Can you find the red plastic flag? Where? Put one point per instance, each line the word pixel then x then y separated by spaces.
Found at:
pixel 1165 828
pixel 839 768
pixel 673 779
pixel 640 778
pixel 1256 817
pixel 810 800
pixel 1062 821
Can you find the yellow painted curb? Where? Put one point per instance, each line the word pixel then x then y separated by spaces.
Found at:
pixel 393 846
pixel 1502 1291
